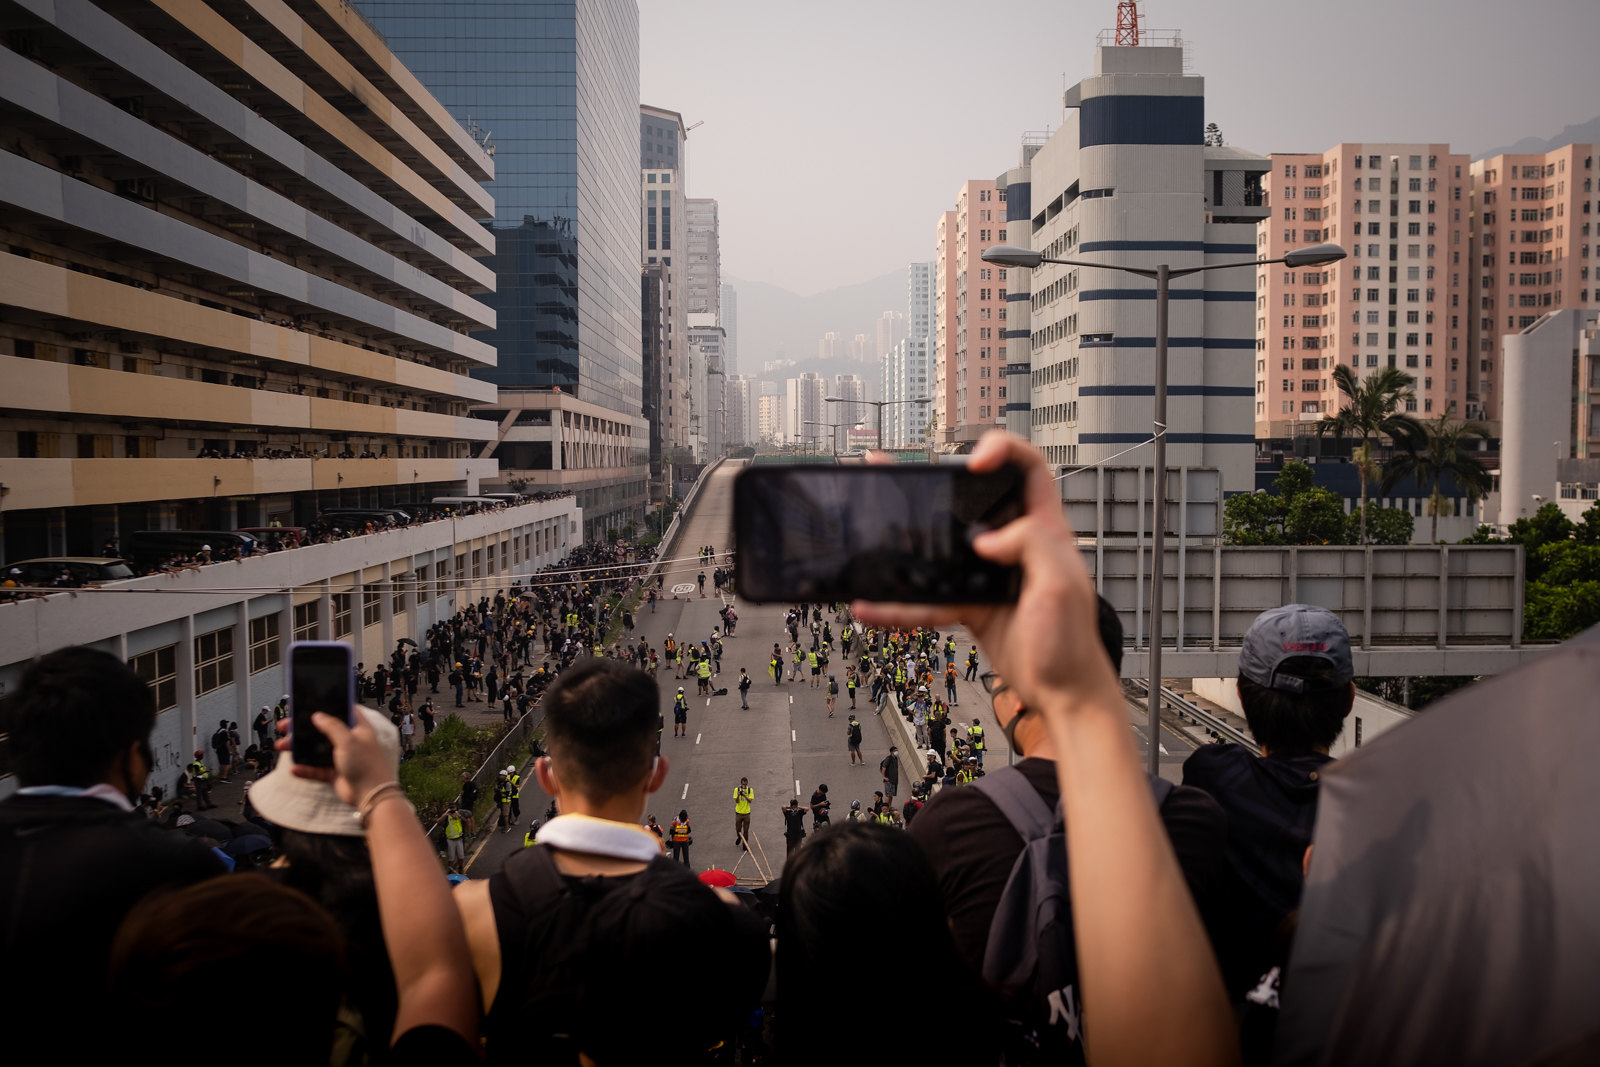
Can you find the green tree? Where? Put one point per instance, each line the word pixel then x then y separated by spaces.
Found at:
pixel 1556 612
pixel 1444 453
pixel 1295 512
pixel 1549 525
pixel 1213 135
pixel 1384 526
pixel 1315 516
pixel 1373 408
pixel 1588 532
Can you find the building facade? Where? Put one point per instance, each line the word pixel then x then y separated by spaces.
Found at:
pixel 703 275
pixel 970 351
pixel 207 315
pixel 1399 300
pixel 1127 179
pixel 851 391
pixel 769 419
pixel 743 400
pixel 730 325
pixel 529 79
pixel 1550 416
pixel 663 243
pixel 1533 250
pixel 906 369
pixel 707 382
pixel 1016 186
pixel 803 409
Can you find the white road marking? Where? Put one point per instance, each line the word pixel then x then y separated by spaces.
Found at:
pixel 685 791
pixel 791 698
pixel 697 738
pixel 797 786
pixel 708 699
pixel 792 736
pixel 1163 749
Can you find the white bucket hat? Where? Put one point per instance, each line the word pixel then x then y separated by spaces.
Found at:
pixel 310 806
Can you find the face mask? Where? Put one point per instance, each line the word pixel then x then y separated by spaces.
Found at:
pixel 1010 731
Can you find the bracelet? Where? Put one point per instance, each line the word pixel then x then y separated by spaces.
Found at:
pixel 373 799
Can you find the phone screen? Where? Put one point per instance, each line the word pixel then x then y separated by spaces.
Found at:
pixel 320 679
pixel 889 533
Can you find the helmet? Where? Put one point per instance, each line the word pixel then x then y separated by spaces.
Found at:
pixel 933 752
pixel 511 769
pixel 204 548
pixel 265 708
pixel 975 720
pixel 199 754
pixel 680 688
pixel 855 805
pixel 285 697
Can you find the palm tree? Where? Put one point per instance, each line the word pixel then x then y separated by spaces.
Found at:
pixel 1444 453
pixel 1373 408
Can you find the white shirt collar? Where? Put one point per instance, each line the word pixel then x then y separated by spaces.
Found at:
pixel 599 837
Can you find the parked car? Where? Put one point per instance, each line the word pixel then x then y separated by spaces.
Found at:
pixel 81 570
pixel 276 537
pixel 150 548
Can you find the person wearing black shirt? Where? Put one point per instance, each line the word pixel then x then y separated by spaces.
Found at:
pixel 794 824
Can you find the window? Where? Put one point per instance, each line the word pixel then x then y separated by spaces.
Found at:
pixel 371 607
pixel 158 669
pixel 401 583
pixel 342 610
pixel 265 650
pixel 305 621
pixel 213 661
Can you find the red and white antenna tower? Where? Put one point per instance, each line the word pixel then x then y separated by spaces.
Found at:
pixel 1128 20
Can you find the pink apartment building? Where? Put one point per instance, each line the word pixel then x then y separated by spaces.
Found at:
pixel 1400 299
pixel 1533 250
pixel 969 316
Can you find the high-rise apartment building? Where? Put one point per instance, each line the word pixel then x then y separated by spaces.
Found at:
pixel 969 351
pixel 703 272
pixel 1016 186
pixel 851 391
pixel 744 402
pixel 1128 179
pixel 207 315
pixel 730 325
pixel 240 284
pixel 1532 250
pixel 663 242
pixel 530 78
pixel 769 419
pixel 906 369
pixel 704 378
pixel 803 408
pixel 1400 300
pixel 830 346
pixel 891 331
pixel 1550 414
pixel 861 350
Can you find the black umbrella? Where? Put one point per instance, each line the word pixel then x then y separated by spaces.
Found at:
pixel 212 828
pixel 1452 909
pixel 245 844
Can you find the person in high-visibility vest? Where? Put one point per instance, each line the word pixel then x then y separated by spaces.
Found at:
pixel 680 837
pixel 502 799
pixel 742 797
pixel 201 779
pixel 516 792
pixel 455 838
pixel 680 714
pixel 972 664
pixel 703 672
pixel 968 772
pixel 975 739
pixel 949 652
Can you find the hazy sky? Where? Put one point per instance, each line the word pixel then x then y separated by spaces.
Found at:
pixel 837 130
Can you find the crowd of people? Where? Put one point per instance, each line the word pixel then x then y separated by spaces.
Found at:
pixel 1163 941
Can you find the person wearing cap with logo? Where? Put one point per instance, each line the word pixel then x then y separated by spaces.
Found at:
pixel 1296 685
pixel 680 714
pixel 975 739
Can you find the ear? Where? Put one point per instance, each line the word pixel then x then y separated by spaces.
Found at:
pixel 545 771
pixel 658 774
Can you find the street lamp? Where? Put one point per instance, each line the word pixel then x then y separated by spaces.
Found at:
pixel 880 405
pixel 833 435
pixel 1012 256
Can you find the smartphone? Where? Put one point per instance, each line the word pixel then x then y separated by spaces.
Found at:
pixel 873 532
pixel 321 678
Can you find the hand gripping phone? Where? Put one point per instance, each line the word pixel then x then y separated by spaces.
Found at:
pixel 321 678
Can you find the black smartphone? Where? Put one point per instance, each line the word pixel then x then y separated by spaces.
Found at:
pixel 887 533
pixel 321 678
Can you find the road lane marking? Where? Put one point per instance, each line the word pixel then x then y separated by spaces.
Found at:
pixel 792 737
pixel 797 787
pixel 791 698
pixel 697 738
pixel 685 791
pixel 1163 749
pixel 708 702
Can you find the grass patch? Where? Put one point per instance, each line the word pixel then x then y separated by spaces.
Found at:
pixel 431 778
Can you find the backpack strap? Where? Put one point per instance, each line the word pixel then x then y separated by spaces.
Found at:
pixel 1020 803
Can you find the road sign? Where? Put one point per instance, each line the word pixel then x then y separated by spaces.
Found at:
pixel 683 587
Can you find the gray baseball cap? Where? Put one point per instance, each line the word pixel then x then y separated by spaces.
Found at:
pixel 1294 630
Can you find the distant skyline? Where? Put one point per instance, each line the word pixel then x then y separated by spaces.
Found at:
pixel 834 133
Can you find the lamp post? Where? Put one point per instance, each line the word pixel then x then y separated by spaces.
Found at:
pixel 1162 274
pixel 833 432
pixel 880 405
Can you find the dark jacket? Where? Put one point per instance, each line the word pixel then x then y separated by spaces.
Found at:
pixel 70 869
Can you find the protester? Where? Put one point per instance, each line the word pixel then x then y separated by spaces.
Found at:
pixel 1295 685
pixel 593 916
pixel 1139 940
pixel 75 855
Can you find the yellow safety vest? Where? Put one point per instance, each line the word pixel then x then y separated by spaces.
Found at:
pixel 975 734
pixel 452 829
pixel 964 777
pixel 527 839
pixel 705 669
pixel 680 832
pixel 742 796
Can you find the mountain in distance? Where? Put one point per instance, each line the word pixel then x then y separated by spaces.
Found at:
pixel 1583 133
pixel 774 320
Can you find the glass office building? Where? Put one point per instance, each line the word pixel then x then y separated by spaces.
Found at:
pixel 552 87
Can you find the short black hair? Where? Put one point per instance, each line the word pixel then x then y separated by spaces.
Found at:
pixel 75 711
pixel 600 720
pixel 1297 724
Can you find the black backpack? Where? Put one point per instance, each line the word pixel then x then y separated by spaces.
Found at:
pixel 1031 954
pixel 855 733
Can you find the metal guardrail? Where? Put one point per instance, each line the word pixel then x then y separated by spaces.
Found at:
pixel 1220 727
pixel 664 546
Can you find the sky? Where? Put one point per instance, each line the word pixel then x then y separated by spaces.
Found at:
pixel 836 131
